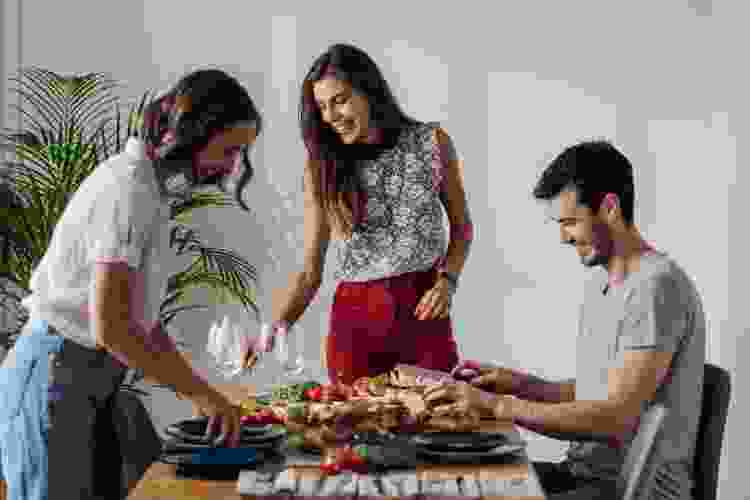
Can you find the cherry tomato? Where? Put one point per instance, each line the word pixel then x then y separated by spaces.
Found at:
pixel 330 469
pixel 314 394
pixel 347 458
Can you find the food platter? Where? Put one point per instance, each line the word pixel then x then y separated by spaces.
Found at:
pixel 376 422
pixel 321 418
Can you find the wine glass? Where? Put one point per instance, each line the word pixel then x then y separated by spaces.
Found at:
pixel 226 343
pixel 290 357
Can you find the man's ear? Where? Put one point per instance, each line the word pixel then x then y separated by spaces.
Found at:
pixel 611 201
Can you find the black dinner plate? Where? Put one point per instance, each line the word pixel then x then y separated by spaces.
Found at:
pixel 193 431
pixel 460 441
pixel 270 439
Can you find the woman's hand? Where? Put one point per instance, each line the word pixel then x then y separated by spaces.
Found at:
pixel 249 354
pixel 436 302
pixel 264 343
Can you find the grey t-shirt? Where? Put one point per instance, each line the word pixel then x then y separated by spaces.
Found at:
pixel 656 308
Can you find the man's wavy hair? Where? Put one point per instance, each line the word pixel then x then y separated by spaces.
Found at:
pixel 181 122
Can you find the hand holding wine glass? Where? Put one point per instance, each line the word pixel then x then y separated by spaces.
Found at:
pixel 228 344
pixel 290 355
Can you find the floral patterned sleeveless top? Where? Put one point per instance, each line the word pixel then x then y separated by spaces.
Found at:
pixel 402 229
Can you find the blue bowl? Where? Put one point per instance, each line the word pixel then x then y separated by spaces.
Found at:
pixel 223 456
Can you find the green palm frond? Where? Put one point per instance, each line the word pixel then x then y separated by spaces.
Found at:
pixel 225 272
pixel 71 105
pixel 167 315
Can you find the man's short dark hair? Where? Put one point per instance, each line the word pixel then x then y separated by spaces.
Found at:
pixel 591 169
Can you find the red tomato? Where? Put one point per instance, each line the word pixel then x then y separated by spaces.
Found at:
pixel 314 394
pixel 249 420
pixel 330 469
pixel 356 459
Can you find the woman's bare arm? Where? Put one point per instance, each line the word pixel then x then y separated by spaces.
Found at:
pixel 291 303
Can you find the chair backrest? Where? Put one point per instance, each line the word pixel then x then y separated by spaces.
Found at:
pixel 716 393
pixel 638 470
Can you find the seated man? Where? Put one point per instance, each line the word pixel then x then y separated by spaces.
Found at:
pixel 641 341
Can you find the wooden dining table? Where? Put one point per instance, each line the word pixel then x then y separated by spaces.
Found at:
pixel 162 482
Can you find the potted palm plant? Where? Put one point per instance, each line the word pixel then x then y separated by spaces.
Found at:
pixel 71 124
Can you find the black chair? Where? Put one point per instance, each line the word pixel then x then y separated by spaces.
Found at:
pixel 716 394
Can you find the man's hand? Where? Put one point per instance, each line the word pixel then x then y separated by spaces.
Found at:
pixel 222 414
pixel 461 398
pixel 497 380
pixel 197 410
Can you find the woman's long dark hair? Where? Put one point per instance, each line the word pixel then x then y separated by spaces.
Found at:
pixel 342 198
pixel 215 102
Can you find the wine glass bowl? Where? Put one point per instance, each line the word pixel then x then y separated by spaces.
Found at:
pixel 295 368
pixel 290 358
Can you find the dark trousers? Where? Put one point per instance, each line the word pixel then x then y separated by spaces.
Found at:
pixel 560 484
pixel 98 439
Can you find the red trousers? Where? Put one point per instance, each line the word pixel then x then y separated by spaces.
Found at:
pixel 373 328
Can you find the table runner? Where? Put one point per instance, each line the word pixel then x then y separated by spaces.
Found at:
pixel 407 484
pixel 510 479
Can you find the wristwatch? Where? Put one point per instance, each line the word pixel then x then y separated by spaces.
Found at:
pixel 451 277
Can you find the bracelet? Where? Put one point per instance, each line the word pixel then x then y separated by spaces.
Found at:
pixel 280 325
pixel 451 278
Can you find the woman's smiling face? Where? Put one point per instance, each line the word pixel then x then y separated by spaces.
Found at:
pixel 346 111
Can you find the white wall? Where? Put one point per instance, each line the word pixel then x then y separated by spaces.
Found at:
pixel 513 85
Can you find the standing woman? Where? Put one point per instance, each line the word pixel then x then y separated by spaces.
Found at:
pixel 96 294
pixel 376 183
